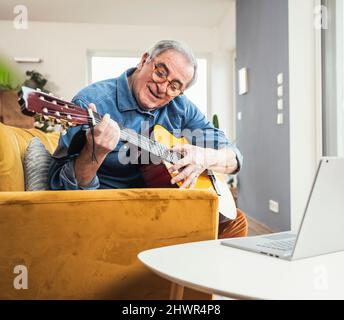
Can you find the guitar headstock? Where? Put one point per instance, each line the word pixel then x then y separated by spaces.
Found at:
pixel 51 110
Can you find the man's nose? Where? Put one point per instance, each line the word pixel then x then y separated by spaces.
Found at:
pixel 162 87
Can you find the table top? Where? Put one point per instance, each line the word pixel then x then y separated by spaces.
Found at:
pixel 213 268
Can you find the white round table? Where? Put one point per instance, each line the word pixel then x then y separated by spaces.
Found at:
pixel 213 268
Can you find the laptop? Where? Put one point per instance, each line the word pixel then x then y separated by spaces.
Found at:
pixel 322 227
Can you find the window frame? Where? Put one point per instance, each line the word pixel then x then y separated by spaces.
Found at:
pixel 133 54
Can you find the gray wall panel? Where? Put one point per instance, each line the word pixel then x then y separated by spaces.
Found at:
pixel 262 47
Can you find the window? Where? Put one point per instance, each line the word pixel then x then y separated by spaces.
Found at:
pixel 333 80
pixel 110 67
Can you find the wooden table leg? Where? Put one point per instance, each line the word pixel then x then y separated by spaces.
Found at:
pixel 176 292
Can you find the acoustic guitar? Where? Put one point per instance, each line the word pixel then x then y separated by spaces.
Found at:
pixel 63 114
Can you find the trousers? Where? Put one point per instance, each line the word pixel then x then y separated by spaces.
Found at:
pixel 234 228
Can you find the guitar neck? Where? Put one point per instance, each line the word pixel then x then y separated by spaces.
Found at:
pixel 145 143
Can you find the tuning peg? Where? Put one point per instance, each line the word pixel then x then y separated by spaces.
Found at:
pixel 38 89
pixel 38 124
pixel 57 127
pixel 63 128
pixel 51 122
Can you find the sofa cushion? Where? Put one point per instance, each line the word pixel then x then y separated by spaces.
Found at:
pixel 36 166
pixel 11 169
pixel 24 136
pixel 13 144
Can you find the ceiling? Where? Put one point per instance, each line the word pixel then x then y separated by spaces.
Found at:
pixel 202 13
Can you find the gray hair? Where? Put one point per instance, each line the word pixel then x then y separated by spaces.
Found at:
pixel 165 45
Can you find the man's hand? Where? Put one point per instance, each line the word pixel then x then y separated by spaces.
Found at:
pixel 197 159
pixel 106 135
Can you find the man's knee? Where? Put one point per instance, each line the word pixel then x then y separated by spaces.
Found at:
pixel 242 222
pixel 235 228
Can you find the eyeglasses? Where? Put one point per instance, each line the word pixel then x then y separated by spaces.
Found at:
pixel 159 75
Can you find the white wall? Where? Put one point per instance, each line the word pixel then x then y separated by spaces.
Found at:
pixel 222 81
pixel 305 122
pixel 64 46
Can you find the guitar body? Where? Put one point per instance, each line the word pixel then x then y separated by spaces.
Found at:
pixel 157 175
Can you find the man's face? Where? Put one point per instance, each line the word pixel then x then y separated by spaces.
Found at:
pixel 150 94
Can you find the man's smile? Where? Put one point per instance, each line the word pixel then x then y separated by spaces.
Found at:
pixel 152 93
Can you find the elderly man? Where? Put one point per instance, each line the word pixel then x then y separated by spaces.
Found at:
pixel 151 93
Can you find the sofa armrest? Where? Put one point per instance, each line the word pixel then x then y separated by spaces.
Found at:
pixel 84 244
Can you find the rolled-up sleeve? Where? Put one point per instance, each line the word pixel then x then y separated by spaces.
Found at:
pixel 204 134
pixel 61 172
pixel 67 176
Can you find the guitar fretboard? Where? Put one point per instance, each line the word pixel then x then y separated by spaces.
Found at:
pixel 146 144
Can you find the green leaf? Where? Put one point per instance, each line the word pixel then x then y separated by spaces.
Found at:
pixel 216 121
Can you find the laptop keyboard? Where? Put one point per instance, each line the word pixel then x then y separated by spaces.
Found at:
pixel 282 245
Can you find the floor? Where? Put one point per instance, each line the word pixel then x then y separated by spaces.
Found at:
pixel 256 228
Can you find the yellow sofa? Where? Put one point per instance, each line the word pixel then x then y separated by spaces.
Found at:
pixel 84 244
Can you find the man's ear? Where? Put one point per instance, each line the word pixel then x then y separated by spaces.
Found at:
pixel 143 60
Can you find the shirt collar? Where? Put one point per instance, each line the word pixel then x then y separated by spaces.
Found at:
pixel 125 98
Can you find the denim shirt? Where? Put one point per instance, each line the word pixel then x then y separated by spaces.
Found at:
pixel 114 97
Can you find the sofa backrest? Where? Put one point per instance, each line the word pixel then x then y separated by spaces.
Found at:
pixel 13 143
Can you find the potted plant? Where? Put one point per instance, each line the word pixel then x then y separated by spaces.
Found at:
pixel 9 84
pixel 9 79
pixel 35 80
pixel 216 121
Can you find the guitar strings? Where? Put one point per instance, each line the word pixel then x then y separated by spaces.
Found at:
pixel 161 150
pixel 150 145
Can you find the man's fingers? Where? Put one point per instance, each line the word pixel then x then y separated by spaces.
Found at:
pixel 180 164
pixel 192 185
pixel 104 123
pixel 182 175
pixel 180 147
pixel 190 181
pixel 187 182
pixel 93 107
